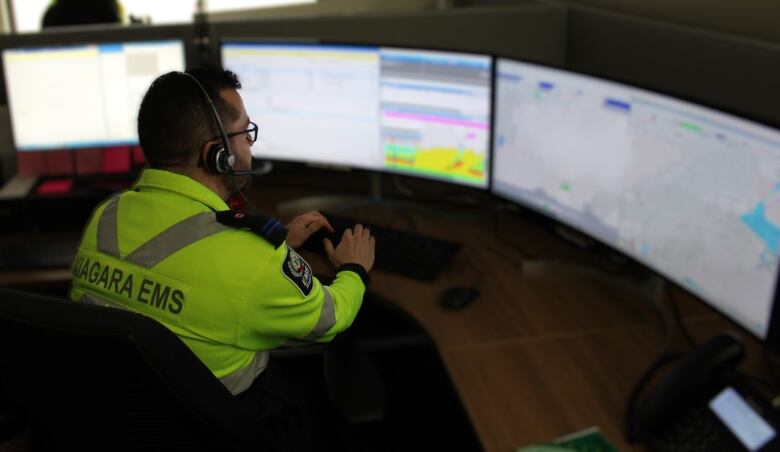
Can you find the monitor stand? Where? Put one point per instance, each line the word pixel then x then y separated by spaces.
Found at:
pixel 333 203
pixel 18 187
pixel 651 287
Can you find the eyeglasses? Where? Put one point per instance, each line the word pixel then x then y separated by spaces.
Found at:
pixel 250 133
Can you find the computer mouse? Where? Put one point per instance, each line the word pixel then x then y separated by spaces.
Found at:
pixel 458 297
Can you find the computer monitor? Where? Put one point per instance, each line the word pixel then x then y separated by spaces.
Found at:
pixel 85 95
pixel 435 114
pixel 561 143
pixel 313 103
pixel 415 112
pixel 686 190
pixel 73 95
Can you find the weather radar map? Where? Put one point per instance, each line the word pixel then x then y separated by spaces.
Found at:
pixel 435 113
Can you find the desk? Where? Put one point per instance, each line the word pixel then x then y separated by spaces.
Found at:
pixel 539 354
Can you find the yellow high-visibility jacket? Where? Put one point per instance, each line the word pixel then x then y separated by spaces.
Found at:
pixel 226 283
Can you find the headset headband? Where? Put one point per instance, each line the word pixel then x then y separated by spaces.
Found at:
pixel 222 134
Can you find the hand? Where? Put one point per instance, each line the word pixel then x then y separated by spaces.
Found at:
pixel 303 226
pixel 355 248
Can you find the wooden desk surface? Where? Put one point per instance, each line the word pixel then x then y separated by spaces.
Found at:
pixel 539 354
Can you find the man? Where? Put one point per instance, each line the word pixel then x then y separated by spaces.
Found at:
pixel 78 12
pixel 229 285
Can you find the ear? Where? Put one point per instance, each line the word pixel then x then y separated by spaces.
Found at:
pixel 204 154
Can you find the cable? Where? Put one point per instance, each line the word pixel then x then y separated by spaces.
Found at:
pixel 650 284
pixel 409 219
pixel 402 189
pixel 632 432
pixel 497 236
pixel 516 263
pixel 418 207
pixel 771 384
pixel 769 365
pixel 480 275
pixel 588 268
pixel 768 384
pixel 678 319
pixel 241 192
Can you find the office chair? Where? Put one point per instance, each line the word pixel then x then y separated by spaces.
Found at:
pixel 97 378
pixel 12 420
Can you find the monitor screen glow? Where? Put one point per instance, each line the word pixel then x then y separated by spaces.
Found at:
pixel 82 96
pixel 689 191
pixel 312 103
pixel 435 114
pixel 412 112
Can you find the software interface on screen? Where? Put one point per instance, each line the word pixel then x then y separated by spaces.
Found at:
pixel 408 111
pixel 83 95
pixel 435 114
pixel 312 103
pixel 742 419
pixel 691 192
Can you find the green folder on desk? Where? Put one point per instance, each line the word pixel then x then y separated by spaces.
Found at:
pixel 588 440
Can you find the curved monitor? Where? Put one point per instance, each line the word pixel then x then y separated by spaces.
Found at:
pixel 312 103
pixel 82 95
pixel 691 192
pixel 414 112
pixel 434 110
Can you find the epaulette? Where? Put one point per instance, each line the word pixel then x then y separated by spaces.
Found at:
pixel 266 227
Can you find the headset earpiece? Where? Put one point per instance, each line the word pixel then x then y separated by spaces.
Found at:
pixel 218 160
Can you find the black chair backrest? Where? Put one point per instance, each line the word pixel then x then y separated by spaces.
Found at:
pixel 93 377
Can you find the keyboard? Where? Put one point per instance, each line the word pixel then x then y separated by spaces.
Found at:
pixel 399 252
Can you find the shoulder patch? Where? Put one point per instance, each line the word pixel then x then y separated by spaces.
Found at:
pixel 266 227
pixel 298 272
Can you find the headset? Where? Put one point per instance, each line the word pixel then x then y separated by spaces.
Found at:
pixel 219 159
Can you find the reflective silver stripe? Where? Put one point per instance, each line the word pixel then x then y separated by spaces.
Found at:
pixel 178 236
pixel 327 318
pixel 293 343
pixel 96 300
pixel 107 240
pixel 240 380
pixel 326 321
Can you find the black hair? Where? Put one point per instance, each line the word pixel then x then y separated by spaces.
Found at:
pixel 80 12
pixel 175 120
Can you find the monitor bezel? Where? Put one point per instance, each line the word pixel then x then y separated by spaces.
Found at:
pixel 62 37
pixel 90 35
pixel 772 340
pixel 318 42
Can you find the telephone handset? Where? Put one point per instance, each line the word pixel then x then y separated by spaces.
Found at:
pixel 680 412
pixel 696 375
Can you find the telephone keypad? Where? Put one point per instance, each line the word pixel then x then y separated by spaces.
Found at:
pixel 695 431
